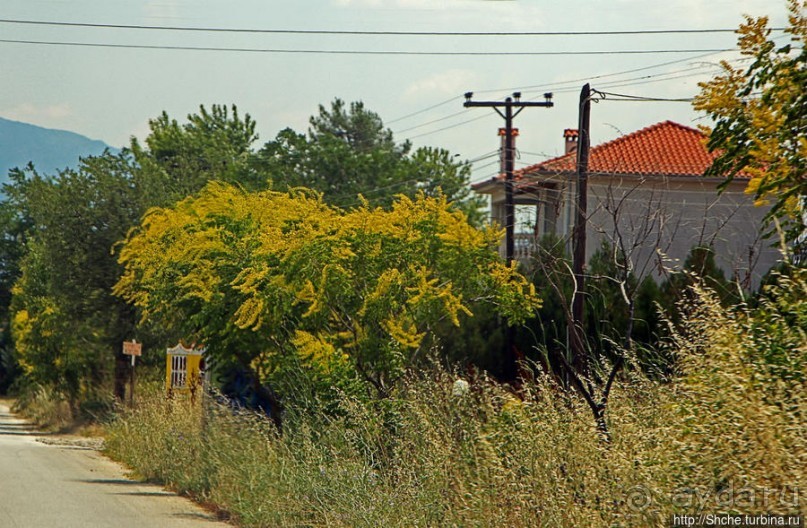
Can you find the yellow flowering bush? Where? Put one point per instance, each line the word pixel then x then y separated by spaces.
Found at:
pixel 263 277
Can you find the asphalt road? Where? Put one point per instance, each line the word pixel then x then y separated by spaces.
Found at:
pixel 64 485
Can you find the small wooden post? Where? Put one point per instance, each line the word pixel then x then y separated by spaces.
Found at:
pixel 133 349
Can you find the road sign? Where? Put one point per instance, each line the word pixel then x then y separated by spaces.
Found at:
pixel 132 348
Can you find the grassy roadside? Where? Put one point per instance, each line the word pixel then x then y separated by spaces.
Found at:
pixel 52 413
pixel 728 436
pixel 425 458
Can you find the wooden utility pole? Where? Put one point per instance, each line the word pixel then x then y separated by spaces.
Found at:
pixel 577 330
pixel 508 105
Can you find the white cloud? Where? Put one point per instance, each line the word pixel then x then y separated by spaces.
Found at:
pixel 161 9
pixel 30 112
pixel 449 82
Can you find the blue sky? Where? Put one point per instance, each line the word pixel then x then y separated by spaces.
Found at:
pixel 110 93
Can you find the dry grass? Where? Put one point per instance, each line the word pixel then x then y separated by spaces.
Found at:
pixel 725 432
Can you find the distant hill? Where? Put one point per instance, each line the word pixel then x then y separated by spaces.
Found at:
pixel 49 150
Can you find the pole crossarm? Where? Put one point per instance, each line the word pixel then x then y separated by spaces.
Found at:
pixel 502 104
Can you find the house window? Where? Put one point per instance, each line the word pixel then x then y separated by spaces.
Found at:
pixel 527 217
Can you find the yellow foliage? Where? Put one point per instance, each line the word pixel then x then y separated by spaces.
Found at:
pixel 403 331
pixel 758 111
pixel 289 266
pixel 317 352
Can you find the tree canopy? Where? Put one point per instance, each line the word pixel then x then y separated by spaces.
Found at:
pixel 760 114
pixel 267 278
pixel 348 151
pixel 61 233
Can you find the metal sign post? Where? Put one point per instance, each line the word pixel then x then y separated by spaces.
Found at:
pixel 132 349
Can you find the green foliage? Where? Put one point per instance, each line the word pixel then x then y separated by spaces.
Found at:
pixel 552 278
pixel 180 159
pixel 60 235
pixel 726 435
pixel 65 322
pixel 348 152
pixel 266 278
pixel 699 269
pixel 760 114
pixel 611 290
pixel 779 328
pixel 617 305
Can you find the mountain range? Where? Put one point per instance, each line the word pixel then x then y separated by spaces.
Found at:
pixel 48 149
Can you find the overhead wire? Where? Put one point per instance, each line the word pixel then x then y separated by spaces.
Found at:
pixel 432 107
pixel 455 114
pixel 301 51
pixel 485 156
pixel 615 84
pixel 597 77
pixel 371 32
pixel 609 96
pixel 483 116
pixel 618 83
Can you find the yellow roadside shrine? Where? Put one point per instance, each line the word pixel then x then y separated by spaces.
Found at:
pixel 184 369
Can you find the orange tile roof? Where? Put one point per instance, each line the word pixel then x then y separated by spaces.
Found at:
pixel 666 148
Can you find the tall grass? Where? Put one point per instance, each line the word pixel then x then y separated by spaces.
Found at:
pixel 422 458
pixel 727 430
pixel 52 410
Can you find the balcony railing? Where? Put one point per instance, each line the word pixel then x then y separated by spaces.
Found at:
pixel 524 245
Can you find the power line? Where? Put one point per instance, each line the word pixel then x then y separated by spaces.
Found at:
pixel 596 77
pixel 373 33
pixel 356 52
pixel 539 154
pixel 561 83
pixel 450 126
pixel 484 156
pixel 639 98
pixel 455 114
pixel 407 116
pixel 486 165
pixel 615 83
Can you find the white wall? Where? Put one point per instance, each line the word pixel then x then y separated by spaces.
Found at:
pixel 660 219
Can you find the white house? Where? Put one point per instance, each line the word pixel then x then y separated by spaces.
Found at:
pixel 647 194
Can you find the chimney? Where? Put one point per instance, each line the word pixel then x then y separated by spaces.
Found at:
pixel 502 134
pixel 570 137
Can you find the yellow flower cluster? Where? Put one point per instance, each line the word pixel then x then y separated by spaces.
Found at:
pixel 312 277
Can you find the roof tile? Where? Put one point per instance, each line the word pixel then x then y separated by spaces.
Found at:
pixel 666 148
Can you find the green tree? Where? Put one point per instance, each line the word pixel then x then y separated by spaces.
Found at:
pixel 68 327
pixel 760 115
pixel 700 269
pixel 179 159
pixel 348 151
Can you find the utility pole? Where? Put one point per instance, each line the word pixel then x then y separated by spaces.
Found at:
pixel 579 357
pixel 509 105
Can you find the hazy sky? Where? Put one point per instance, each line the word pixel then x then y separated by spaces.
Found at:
pixel 110 93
